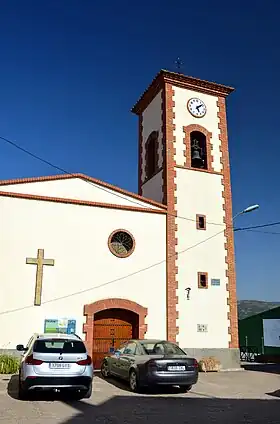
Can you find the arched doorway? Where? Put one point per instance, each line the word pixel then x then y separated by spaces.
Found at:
pixel 112 327
pixel 111 322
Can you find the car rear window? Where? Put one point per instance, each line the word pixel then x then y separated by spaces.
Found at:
pixel 59 346
pixel 162 348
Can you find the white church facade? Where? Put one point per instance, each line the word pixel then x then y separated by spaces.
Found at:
pixel 83 256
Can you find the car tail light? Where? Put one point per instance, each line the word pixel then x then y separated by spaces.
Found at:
pixel 152 365
pixel 195 364
pixel 85 361
pixel 31 361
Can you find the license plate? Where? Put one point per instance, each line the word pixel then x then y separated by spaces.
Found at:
pixel 60 366
pixel 176 368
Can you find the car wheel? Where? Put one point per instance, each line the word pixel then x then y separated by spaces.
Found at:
pixel 185 389
pixel 22 393
pixel 83 394
pixel 88 393
pixel 105 372
pixel 133 381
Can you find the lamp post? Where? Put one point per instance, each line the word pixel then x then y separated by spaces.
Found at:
pixel 247 210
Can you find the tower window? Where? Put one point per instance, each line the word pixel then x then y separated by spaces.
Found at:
pixel 152 154
pixel 202 280
pixel 201 222
pixel 198 150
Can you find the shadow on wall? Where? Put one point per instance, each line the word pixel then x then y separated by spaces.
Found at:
pixel 268 368
pixel 133 409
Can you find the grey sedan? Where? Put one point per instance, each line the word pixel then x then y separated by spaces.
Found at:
pixel 151 362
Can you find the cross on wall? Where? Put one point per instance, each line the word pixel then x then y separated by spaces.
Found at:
pixel 40 261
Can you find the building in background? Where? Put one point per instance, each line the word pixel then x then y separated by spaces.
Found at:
pixel 80 255
pixel 260 334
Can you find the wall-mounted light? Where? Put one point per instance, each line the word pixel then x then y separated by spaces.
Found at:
pixel 188 289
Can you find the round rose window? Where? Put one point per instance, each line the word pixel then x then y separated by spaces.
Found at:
pixel 121 243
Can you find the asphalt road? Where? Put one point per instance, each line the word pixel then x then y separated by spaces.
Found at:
pixel 224 398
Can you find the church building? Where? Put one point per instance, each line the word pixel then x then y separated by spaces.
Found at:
pixel 82 256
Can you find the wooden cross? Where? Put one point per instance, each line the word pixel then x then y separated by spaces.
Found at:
pixel 40 262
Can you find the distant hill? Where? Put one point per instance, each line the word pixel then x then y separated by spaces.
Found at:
pixel 247 308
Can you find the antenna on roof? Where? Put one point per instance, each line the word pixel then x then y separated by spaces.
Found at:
pixel 178 63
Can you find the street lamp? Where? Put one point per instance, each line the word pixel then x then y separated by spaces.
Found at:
pixel 247 210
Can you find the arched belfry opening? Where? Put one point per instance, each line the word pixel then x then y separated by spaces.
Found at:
pixel 151 156
pixel 198 148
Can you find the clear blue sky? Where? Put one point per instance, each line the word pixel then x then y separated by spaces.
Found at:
pixel 70 71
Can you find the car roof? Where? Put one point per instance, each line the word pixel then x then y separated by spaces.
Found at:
pixel 57 336
pixel 147 341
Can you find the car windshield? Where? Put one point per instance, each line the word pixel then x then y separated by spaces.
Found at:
pixel 59 346
pixel 161 348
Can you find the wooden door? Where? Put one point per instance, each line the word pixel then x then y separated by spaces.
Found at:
pixel 108 333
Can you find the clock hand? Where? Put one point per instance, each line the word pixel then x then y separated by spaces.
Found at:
pixel 197 107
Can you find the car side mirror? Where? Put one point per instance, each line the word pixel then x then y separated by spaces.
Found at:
pixel 21 348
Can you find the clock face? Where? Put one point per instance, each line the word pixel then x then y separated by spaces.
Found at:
pixel 197 107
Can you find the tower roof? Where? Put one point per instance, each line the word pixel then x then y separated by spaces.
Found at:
pixel 179 80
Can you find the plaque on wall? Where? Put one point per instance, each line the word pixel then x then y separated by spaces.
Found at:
pixel 215 282
pixel 202 328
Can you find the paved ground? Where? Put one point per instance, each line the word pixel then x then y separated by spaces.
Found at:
pixel 224 398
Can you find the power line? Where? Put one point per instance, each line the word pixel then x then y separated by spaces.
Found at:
pixel 257 226
pixel 131 274
pixel 28 152
pixel 264 232
pixel 115 280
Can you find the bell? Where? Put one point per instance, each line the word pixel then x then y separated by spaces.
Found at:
pixel 196 156
pixel 197 161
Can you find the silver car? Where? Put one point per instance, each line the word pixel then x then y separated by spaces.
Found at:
pixel 55 362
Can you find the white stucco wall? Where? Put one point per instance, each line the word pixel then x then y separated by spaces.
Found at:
pixel 78 189
pixel 200 193
pixel 76 238
pixel 205 306
pixel 153 188
pixel 183 118
pixel 152 121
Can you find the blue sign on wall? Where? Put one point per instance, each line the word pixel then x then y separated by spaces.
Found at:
pixel 215 282
pixel 71 327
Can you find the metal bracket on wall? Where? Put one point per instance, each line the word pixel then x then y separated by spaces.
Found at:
pixel 188 289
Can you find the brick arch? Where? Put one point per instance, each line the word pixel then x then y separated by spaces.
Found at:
pixel 187 151
pixel 101 305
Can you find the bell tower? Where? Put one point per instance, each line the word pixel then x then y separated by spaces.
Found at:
pixel 184 163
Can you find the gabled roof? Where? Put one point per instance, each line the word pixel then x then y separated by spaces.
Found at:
pixel 86 178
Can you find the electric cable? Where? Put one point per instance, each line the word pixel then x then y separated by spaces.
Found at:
pixel 28 152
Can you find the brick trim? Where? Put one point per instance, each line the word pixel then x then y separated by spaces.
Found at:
pixel 79 202
pixel 119 255
pixel 229 245
pixel 83 177
pixel 178 80
pixel 153 137
pixel 170 198
pixel 197 222
pixel 140 153
pixel 100 305
pixel 209 147
pixel 199 274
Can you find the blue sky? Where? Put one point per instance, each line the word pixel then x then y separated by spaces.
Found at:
pixel 71 70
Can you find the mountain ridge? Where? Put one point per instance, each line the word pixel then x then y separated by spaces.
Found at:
pixel 247 308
